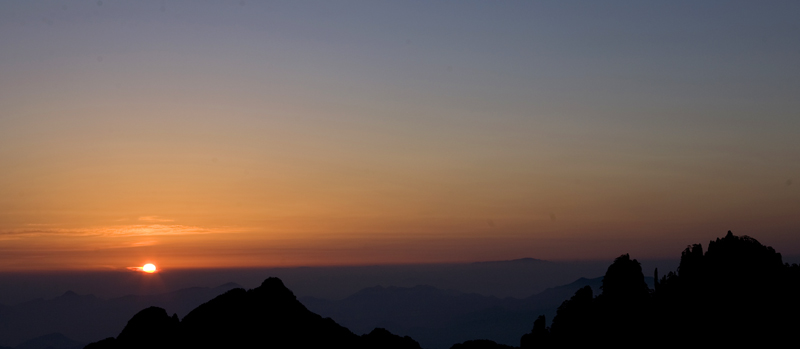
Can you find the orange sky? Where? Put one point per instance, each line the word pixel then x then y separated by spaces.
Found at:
pixel 261 136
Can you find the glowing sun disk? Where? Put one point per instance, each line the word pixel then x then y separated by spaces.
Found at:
pixel 149 268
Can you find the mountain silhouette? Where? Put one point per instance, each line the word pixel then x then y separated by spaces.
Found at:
pixel 738 293
pixel 436 318
pixel 266 316
pixel 86 318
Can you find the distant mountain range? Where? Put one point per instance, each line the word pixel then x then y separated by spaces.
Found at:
pixel 738 292
pixel 49 341
pixel 438 318
pixel 86 318
pixel 518 278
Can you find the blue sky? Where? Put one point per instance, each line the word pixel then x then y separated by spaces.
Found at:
pixel 409 124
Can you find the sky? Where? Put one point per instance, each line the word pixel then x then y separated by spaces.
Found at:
pixel 291 133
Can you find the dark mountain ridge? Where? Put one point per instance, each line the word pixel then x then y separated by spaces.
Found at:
pixel 266 316
pixel 739 293
pixel 86 318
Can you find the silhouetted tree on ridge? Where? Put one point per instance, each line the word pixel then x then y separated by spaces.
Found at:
pixel 737 293
pixel 614 317
pixel 624 281
pixel 539 336
pixel 738 289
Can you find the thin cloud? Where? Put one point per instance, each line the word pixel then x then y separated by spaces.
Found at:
pixel 155 230
pixel 134 230
pixel 155 219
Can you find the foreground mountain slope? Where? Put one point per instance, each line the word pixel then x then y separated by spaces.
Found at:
pixel 266 316
pixel 739 293
pixel 86 318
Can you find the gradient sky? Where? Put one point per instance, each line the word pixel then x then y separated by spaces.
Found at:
pixel 284 133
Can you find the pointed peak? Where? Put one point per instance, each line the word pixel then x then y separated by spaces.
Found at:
pixel 274 287
pixel 272 283
pixel 69 294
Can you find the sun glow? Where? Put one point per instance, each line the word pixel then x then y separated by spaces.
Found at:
pixel 149 268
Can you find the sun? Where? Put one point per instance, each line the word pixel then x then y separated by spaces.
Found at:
pixel 149 268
